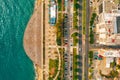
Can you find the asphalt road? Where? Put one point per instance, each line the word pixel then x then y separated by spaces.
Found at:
pixel 100 46
pixel 86 41
pixel 80 67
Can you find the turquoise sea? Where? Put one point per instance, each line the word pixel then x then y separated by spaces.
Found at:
pixel 14 63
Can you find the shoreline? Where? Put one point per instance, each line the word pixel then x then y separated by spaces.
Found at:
pixel 37 72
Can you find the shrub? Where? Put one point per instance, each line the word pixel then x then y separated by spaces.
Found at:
pixel 90 54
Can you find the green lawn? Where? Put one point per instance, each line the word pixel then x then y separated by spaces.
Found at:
pixel 92 19
pixel 61 77
pixel 74 64
pixel 90 55
pixel 75 34
pixel 75 41
pixel 59 29
pixel 91 28
pixel 75 14
pixel 59 5
pixel 75 21
pixel 91 36
pixel 75 38
pixel 84 16
pixel 53 64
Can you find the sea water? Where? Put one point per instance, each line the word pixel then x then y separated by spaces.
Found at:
pixel 14 63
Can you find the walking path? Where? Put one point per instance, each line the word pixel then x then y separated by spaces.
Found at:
pixel 58 65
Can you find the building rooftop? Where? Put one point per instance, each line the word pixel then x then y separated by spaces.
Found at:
pixel 107 6
pixel 108 27
pixel 52 12
pixel 109 53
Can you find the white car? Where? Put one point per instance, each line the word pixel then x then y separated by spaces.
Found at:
pixel 80 49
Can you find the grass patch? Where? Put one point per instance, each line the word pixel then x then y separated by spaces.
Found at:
pixel 74 64
pixel 91 28
pixel 92 19
pixel 61 75
pixel 84 16
pixel 59 5
pixel 59 30
pixel 75 38
pixel 75 41
pixel 91 36
pixel 90 55
pixel 75 20
pixel 53 68
pixel 75 34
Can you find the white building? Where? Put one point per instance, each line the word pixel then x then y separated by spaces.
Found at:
pixel 53 11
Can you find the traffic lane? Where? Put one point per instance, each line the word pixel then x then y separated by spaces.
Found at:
pixel 80 59
pixel 86 41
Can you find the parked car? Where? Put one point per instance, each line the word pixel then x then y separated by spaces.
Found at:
pixel 80 49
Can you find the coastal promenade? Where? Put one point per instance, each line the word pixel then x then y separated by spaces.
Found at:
pixel 40 41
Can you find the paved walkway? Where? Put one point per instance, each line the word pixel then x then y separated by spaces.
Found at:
pixel 59 65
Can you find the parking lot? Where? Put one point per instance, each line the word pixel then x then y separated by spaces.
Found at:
pixel 68 57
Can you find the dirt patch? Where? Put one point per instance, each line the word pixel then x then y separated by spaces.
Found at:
pixel 52 71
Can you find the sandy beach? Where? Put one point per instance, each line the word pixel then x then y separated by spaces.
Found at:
pixel 33 39
pixel 38 72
